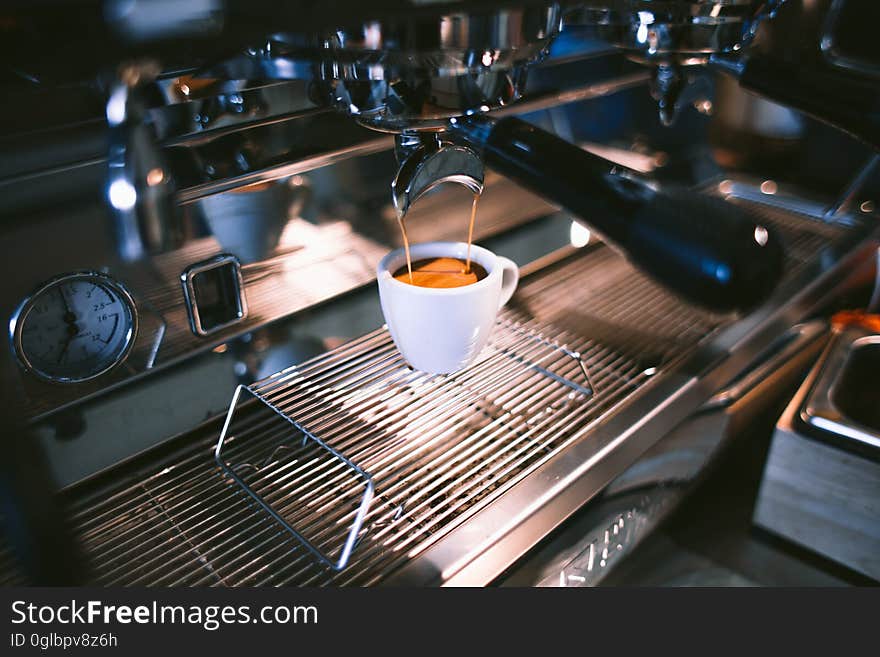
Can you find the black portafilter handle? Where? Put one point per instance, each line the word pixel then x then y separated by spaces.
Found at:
pixel 709 251
pixel 833 96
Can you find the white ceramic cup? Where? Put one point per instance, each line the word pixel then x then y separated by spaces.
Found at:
pixel 441 330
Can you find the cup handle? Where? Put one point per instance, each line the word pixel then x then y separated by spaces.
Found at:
pixel 509 279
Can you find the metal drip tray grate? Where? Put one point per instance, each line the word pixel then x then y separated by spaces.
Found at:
pixel 576 346
pixel 330 434
pixel 581 337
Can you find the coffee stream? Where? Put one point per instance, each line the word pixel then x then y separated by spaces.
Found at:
pixel 402 225
pixel 470 240
pixel 467 269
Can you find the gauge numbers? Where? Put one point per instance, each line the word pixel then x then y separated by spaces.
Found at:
pixel 74 328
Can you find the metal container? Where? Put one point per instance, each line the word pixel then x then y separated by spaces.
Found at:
pixel 821 484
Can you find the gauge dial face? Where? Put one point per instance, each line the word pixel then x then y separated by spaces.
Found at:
pixel 75 328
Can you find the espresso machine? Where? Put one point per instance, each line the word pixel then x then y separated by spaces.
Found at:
pixel 198 386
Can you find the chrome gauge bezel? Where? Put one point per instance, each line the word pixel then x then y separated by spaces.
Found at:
pixel 19 319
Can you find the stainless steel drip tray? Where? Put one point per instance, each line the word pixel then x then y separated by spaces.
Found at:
pixel 438 450
pixel 844 399
pixel 590 365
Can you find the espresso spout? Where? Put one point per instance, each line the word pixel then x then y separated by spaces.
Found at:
pixel 427 160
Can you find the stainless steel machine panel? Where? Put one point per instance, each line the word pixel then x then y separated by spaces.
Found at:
pixel 443 450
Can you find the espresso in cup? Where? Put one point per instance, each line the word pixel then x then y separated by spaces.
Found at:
pixel 442 328
pixel 441 273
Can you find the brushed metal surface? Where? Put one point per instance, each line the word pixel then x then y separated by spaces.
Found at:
pixel 824 499
pixel 311 263
pixel 178 521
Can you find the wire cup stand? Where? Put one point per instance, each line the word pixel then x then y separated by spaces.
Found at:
pixel 338 561
pixel 321 478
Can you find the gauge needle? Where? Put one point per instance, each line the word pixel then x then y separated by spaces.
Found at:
pixel 64 348
pixel 72 332
pixel 69 316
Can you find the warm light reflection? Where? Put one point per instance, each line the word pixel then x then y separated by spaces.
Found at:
pixel 769 187
pixel 704 106
pixel 155 177
pixel 761 235
pixel 579 234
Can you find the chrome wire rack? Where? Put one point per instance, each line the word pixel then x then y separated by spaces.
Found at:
pixel 580 342
pixel 437 449
pixel 352 414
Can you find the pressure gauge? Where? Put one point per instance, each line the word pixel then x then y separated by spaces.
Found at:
pixel 74 328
